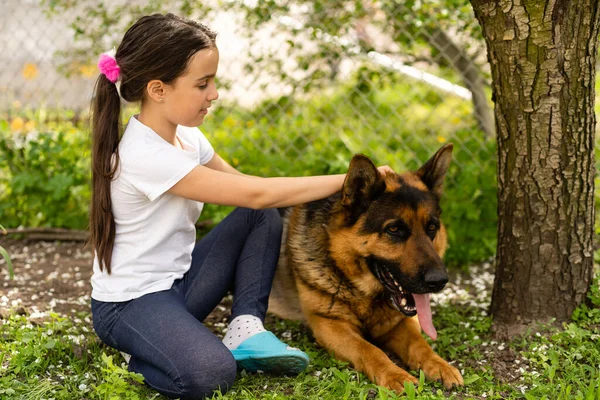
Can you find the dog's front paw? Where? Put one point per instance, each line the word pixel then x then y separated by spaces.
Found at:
pixel 437 368
pixel 394 379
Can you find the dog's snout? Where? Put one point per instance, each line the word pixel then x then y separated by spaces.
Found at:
pixel 436 279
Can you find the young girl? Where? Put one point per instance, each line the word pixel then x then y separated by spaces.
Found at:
pixel 152 284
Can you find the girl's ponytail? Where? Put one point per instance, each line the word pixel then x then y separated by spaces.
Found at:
pixel 106 127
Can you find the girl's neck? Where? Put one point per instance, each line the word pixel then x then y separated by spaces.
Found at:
pixel 162 127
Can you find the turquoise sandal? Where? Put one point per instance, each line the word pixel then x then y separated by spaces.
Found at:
pixel 265 352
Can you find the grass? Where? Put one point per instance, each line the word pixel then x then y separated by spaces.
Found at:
pixel 61 358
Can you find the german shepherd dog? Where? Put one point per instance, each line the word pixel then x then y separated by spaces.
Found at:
pixel 358 268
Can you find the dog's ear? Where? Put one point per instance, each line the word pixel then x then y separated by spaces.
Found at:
pixel 363 182
pixel 433 172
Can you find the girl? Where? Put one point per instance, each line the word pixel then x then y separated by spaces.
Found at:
pixel 152 284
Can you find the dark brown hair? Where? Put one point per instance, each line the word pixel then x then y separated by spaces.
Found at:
pixel 155 47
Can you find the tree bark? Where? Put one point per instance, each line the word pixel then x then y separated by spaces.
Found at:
pixel 543 60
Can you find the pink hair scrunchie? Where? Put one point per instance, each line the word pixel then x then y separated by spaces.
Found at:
pixel 107 64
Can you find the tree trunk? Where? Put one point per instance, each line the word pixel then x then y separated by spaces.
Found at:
pixel 543 60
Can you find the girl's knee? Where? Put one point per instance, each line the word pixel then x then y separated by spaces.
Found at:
pixel 268 215
pixel 273 216
pixel 203 383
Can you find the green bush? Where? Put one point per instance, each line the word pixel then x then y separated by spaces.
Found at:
pixel 44 177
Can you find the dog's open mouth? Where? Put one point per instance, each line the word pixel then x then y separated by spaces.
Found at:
pixel 401 299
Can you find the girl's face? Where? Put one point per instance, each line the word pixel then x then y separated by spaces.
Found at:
pixel 188 98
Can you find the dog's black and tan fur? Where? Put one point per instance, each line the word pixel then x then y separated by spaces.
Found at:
pixel 351 263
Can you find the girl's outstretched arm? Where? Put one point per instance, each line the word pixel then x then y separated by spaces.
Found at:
pixel 216 187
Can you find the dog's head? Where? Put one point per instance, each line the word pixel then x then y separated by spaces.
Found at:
pixel 393 224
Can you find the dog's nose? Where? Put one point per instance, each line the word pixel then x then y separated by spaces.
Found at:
pixel 436 279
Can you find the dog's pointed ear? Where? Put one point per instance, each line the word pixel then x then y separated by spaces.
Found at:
pixel 433 172
pixel 361 183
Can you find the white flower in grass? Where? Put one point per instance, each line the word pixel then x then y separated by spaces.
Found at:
pixel 522 388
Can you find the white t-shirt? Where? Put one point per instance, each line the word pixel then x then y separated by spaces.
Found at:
pixel 155 232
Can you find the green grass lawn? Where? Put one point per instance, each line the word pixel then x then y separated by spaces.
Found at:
pixel 54 357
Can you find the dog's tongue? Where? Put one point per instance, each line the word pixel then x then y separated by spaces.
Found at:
pixel 424 314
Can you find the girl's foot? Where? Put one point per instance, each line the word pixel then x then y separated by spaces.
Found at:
pixel 264 352
pixel 256 349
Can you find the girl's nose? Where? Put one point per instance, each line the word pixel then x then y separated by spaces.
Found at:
pixel 214 94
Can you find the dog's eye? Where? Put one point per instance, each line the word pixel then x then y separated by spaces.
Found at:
pixel 432 229
pixel 397 231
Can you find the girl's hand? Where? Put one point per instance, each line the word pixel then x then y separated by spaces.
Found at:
pixel 385 169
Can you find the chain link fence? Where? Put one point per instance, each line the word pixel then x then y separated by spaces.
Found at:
pixel 31 76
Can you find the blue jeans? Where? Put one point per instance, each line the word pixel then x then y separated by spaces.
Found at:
pixel 163 331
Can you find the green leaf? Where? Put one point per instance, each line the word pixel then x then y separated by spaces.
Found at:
pixel 409 389
pixel 471 378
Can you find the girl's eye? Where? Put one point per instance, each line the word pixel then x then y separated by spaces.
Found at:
pixel 204 86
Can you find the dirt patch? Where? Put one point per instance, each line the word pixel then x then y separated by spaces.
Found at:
pixel 49 276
